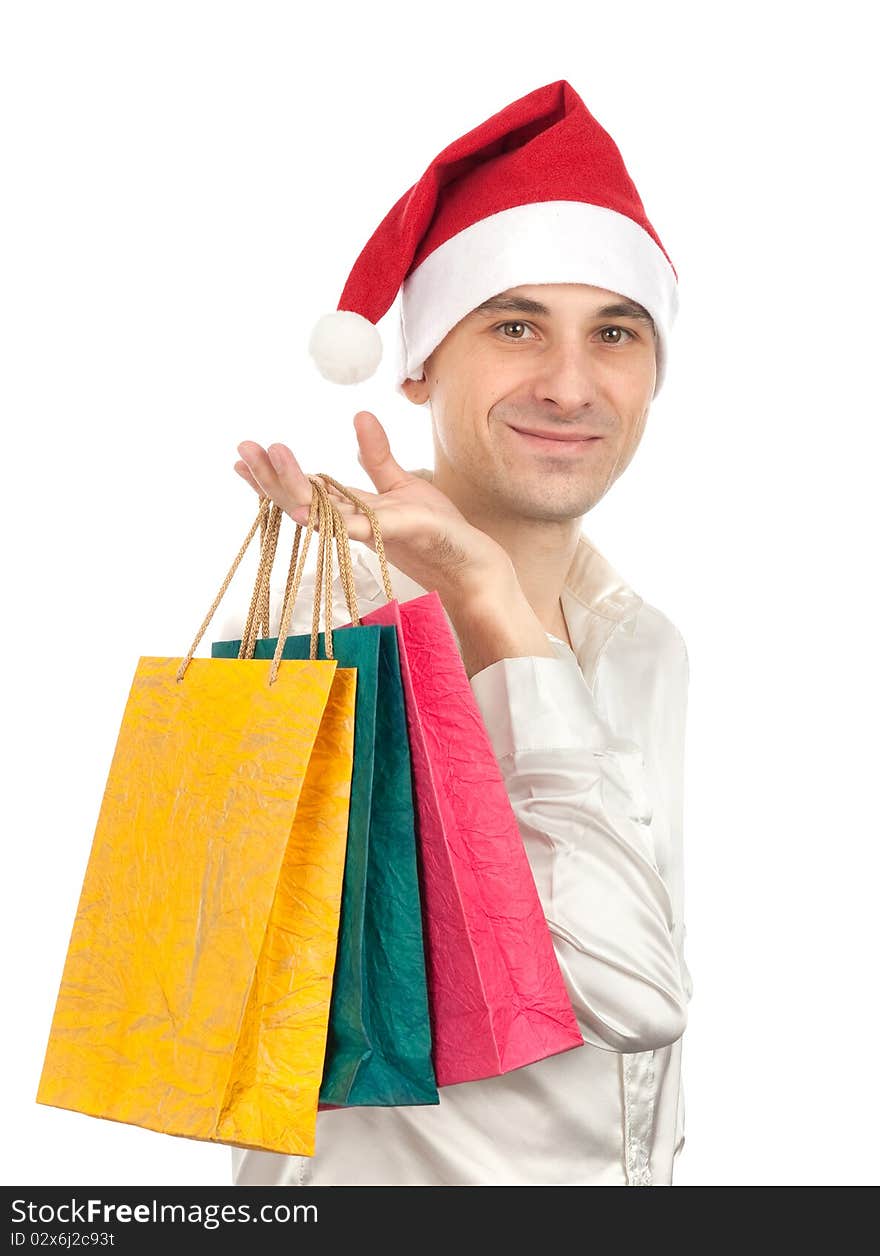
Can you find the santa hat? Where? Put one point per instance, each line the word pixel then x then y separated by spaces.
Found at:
pixel 538 193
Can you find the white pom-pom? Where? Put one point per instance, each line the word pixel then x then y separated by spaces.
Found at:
pixel 346 347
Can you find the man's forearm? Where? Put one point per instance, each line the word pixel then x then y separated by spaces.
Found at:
pixel 496 623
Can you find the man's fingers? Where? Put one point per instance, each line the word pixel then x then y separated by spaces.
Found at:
pixel 277 473
pixel 374 453
pixel 244 471
pixel 277 466
pixel 342 504
pixel 351 516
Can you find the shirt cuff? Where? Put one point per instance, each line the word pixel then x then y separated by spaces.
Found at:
pixel 537 703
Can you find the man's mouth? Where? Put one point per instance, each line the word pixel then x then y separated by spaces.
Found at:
pixel 555 442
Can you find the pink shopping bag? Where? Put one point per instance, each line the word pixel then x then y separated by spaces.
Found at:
pixel 497 997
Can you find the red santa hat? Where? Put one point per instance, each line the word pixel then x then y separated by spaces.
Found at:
pixel 538 193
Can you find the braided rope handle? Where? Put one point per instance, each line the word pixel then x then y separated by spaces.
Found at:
pixel 374 524
pixel 325 515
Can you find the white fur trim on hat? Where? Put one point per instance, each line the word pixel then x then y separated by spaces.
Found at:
pixel 544 242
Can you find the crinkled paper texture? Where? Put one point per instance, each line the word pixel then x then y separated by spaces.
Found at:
pixel 195 993
pixel 498 999
pixel 379 1037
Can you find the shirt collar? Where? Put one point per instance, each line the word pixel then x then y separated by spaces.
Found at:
pixel 596 602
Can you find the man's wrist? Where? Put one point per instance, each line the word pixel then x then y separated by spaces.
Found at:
pixel 480 586
pixel 494 622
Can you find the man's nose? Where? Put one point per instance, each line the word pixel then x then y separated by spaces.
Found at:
pixel 567 375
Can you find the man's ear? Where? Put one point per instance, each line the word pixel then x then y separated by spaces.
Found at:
pixel 416 389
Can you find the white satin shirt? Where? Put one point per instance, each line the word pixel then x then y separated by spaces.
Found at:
pixel 591 747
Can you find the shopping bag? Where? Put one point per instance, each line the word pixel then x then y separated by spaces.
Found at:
pixel 497 996
pixel 379 1038
pixel 195 993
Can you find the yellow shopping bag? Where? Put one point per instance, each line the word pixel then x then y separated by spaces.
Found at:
pixel 195 994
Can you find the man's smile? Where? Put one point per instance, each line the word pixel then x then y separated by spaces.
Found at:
pixel 559 445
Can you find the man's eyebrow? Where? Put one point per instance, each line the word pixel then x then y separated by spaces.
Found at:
pixel 524 305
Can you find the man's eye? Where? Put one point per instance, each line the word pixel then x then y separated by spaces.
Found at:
pixel 515 324
pixel 625 330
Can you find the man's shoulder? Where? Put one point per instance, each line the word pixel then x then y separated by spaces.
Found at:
pixel 662 635
pixel 661 627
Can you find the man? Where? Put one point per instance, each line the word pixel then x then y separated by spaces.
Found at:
pixel 538 394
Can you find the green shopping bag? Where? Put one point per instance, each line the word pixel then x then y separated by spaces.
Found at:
pixel 379 1037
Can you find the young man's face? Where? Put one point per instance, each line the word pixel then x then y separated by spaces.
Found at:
pixel 568 369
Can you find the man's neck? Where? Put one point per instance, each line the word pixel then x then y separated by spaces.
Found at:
pixel 541 552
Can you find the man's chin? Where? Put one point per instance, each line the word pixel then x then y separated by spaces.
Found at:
pixel 547 501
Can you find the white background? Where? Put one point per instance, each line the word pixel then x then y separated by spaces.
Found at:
pixel 186 186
